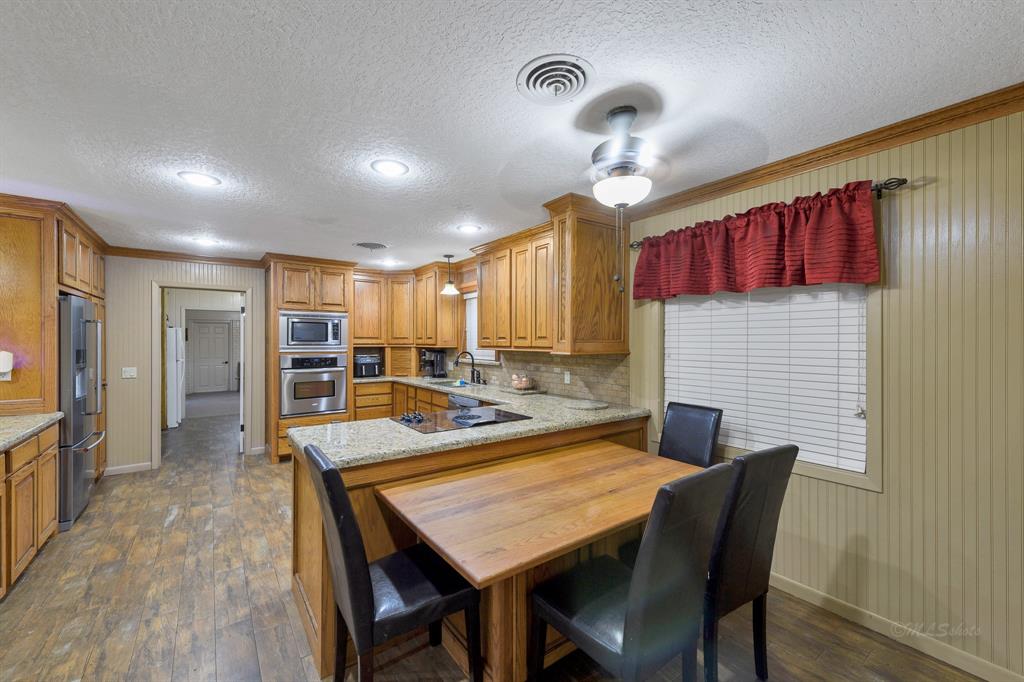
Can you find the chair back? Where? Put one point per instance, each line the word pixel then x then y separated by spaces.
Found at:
pixel 666 593
pixel 353 591
pixel 690 433
pixel 741 561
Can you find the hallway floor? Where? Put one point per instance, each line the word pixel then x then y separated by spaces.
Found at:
pixel 183 573
pixel 213 404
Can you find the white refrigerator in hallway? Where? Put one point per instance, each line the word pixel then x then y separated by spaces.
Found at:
pixel 175 376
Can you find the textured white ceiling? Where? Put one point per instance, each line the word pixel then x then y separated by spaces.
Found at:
pixel 288 101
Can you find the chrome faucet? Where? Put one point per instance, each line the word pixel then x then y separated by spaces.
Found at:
pixel 474 373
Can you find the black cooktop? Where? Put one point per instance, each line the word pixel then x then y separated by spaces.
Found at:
pixel 449 420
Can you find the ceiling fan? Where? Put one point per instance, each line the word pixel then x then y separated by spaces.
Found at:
pixel 620 164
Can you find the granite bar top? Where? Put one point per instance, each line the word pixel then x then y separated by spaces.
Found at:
pixel 355 443
pixel 18 428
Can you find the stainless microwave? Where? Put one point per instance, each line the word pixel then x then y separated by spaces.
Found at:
pixel 312 331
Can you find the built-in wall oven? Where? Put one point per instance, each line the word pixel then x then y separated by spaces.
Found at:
pixel 305 331
pixel 314 384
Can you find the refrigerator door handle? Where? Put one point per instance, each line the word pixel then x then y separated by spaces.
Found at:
pixel 97 356
pixel 102 437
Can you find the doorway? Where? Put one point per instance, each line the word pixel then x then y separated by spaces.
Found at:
pixel 203 380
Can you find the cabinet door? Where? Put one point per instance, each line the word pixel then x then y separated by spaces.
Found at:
pixel 542 256
pixel 332 289
pixel 46 497
pixel 522 296
pixel 295 287
pixel 426 309
pixel 99 275
pixel 485 301
pixel 21 493
pixel 399 398
pixel 85 264
pixel 401 310
pixel 68 255
pixel 447 320
pixel 4 582
pixel 503 298
pixel 369 309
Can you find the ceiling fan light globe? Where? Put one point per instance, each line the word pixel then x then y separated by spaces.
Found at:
pixel 622 189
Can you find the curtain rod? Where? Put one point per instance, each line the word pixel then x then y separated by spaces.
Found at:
pixel 877 188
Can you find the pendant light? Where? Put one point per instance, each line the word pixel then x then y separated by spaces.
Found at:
pixel 449 286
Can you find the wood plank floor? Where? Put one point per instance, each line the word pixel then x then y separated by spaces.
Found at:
pixel 183 574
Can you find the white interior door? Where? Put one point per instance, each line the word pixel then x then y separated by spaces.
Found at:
pixel 241 381
pixel 211 356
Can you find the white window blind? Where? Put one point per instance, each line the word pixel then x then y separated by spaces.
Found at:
pixel 785 365
pixel 471 331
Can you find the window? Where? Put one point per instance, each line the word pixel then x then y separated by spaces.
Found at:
pixel 471 329
pixel 785 365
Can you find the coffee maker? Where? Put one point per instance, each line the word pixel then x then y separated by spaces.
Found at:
pixel 433 363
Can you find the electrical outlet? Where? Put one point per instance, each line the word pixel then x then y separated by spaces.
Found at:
pixel 129 373
pixel 567 377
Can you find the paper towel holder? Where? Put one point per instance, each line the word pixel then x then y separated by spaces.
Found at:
pixel 6 365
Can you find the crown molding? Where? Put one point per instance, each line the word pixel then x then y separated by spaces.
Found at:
pixel 128 252
pixel 991 105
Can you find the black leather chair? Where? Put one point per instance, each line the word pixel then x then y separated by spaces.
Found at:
pixel 377 601
pixel 633 622
pixel 741 561
pixel 689 434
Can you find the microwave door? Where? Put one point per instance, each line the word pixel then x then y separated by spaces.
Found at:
pixel 308 332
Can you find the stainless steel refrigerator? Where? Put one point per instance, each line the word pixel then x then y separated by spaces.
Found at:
pixel 81 399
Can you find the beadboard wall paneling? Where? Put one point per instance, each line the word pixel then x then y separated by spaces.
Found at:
pixel 940 548
pixel 130 339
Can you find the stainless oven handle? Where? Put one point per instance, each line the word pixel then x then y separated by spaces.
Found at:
pixel 315 370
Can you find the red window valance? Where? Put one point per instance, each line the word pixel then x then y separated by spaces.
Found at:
pixel 825 238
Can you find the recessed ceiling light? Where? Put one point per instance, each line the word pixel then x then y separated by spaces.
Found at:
pixel 389 167
pixel 199 179
pixel 468 228
pixel 389 262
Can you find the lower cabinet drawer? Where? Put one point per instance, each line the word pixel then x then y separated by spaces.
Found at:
pixel 23 454
pixel 373 400
pixel 373 412
pixel 374 388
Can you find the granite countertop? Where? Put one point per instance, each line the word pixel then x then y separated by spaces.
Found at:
pixel 17 428
pixel 355 443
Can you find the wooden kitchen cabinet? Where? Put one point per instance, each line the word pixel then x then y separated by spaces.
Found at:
pixel 332 289
pixel 558 287
pixel 4 580
pixel 23 506
pixel 373 401
pixel 437 316
pixel 426 308
pixel 46 497
pixel 295 286
pixel 401 313
pixel 81 264
pixel 399 399
pixel 68 254
pixel 369 309
pixel 85 265
pixel 99 274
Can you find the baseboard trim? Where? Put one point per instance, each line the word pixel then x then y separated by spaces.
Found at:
pixel 127 469
pixel 259 450
pixel 923 643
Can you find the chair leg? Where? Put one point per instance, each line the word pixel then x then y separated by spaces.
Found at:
pixel 710 646
pixel 476 661
pixel 535 653
pixel 340 646
pixel 690 663
pixel 435 633
pixel 761 636
pixel 366 667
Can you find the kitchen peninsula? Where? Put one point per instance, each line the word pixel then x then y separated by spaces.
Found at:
pixel 378 452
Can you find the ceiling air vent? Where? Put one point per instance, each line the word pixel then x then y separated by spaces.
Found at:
pixel 554 78
pixel 372 246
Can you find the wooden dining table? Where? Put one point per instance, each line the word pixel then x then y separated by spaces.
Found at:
pixel 507 526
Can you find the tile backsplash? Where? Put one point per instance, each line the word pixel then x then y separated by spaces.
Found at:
pixel 594 377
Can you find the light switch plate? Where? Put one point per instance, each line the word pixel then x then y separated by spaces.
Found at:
pixel 129 373
pixel 567 377
pixel 5 376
